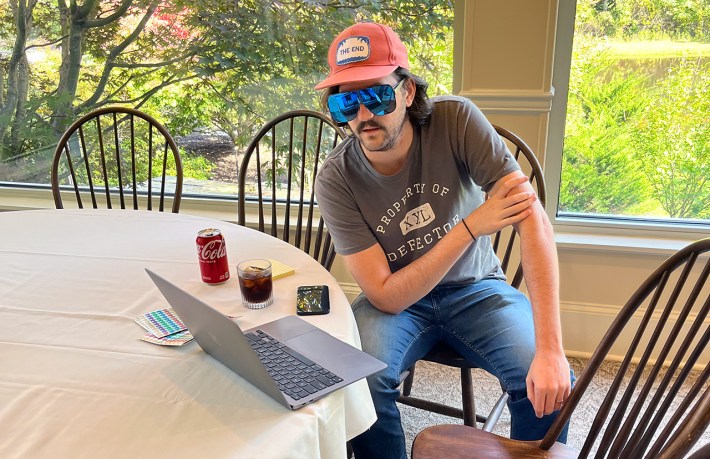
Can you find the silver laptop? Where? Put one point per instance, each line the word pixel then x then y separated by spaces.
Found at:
pixel 290 360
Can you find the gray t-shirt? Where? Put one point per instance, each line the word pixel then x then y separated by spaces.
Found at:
pixel 453 160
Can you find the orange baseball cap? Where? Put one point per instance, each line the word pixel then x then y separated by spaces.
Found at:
pixel 364 51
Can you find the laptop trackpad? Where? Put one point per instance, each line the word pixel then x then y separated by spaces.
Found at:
pixel 329 352
pixel 285 328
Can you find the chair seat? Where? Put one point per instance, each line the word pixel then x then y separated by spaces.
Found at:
pixel 459 442
pixel 445 355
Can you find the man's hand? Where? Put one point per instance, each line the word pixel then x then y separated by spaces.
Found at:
pixel 548 382
pixel 502 209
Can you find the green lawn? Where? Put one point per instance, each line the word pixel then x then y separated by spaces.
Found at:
pixel 658 49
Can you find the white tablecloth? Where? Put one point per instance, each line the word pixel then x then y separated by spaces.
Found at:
pixel 75 380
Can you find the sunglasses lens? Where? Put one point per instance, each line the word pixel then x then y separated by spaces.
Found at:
pixel 380 100
pixel 343 107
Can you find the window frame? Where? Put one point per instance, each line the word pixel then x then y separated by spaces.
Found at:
pixel 613 233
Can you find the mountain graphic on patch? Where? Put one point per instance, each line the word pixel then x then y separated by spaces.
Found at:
pixel 352 49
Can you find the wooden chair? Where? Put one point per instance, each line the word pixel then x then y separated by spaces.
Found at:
pixel 276 179
pixel 703 452
pixel 666 322
pixel 504 243
pixel 117 153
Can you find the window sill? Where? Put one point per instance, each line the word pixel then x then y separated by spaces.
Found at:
pixel 576 236
pixel 18 198
pixel 619 244
pixel 40 197
pixel 618 236
pixel 224 209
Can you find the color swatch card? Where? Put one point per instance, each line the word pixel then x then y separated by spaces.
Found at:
pixel 161 323
pixel 279 269
pixel 176 339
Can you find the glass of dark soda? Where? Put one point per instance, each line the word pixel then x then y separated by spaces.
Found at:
pixel 255 283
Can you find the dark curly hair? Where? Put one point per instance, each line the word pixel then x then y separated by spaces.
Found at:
pixel 421 108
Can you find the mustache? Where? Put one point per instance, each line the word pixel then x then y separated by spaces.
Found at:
pixel 367 124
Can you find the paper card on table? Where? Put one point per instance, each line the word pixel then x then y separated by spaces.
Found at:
pixel 162 322
pixel 176 339
pixel 279 269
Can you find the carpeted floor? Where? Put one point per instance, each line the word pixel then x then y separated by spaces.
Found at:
pixel 437 382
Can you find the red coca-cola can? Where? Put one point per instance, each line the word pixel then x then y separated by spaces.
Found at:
pixel 212 253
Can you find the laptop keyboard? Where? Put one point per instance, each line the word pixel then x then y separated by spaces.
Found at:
pixel 295 374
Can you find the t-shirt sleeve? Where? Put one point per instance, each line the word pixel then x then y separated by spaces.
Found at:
pixel 341 214
pixel 483 152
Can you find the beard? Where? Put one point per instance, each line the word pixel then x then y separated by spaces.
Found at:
pixel 391 137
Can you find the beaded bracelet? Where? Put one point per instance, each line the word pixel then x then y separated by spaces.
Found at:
pixel 468 229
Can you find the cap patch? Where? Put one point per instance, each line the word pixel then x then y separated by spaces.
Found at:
pixel 352 49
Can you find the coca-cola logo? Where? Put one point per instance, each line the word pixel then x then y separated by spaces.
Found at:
pixel 212 250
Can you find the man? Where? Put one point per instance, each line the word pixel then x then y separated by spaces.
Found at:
pixel 404 200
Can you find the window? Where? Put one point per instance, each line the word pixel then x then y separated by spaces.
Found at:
pixel 632 148
pixel 213 74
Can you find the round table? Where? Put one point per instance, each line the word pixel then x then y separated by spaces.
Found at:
pixel 76 381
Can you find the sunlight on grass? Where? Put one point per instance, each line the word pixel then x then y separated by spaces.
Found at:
pixel 658 49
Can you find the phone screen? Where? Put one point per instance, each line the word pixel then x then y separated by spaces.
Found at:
pixel 312 299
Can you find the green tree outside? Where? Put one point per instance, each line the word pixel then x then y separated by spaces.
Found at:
pixel 636 141
pixel 216 65
pixel 672 138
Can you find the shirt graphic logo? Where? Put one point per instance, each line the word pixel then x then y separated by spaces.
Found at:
pixel 417 218
pixel 352 49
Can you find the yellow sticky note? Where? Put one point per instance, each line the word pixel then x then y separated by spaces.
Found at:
pixel 279 269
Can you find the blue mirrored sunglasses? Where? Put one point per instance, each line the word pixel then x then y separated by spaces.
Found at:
pixel 379 99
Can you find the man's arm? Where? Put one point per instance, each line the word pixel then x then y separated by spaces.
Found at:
pixel 394 292
pixel 548 380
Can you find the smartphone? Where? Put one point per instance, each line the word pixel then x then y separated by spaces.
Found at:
pixel 312 299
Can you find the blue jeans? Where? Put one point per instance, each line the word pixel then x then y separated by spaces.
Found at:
pixel 488 322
